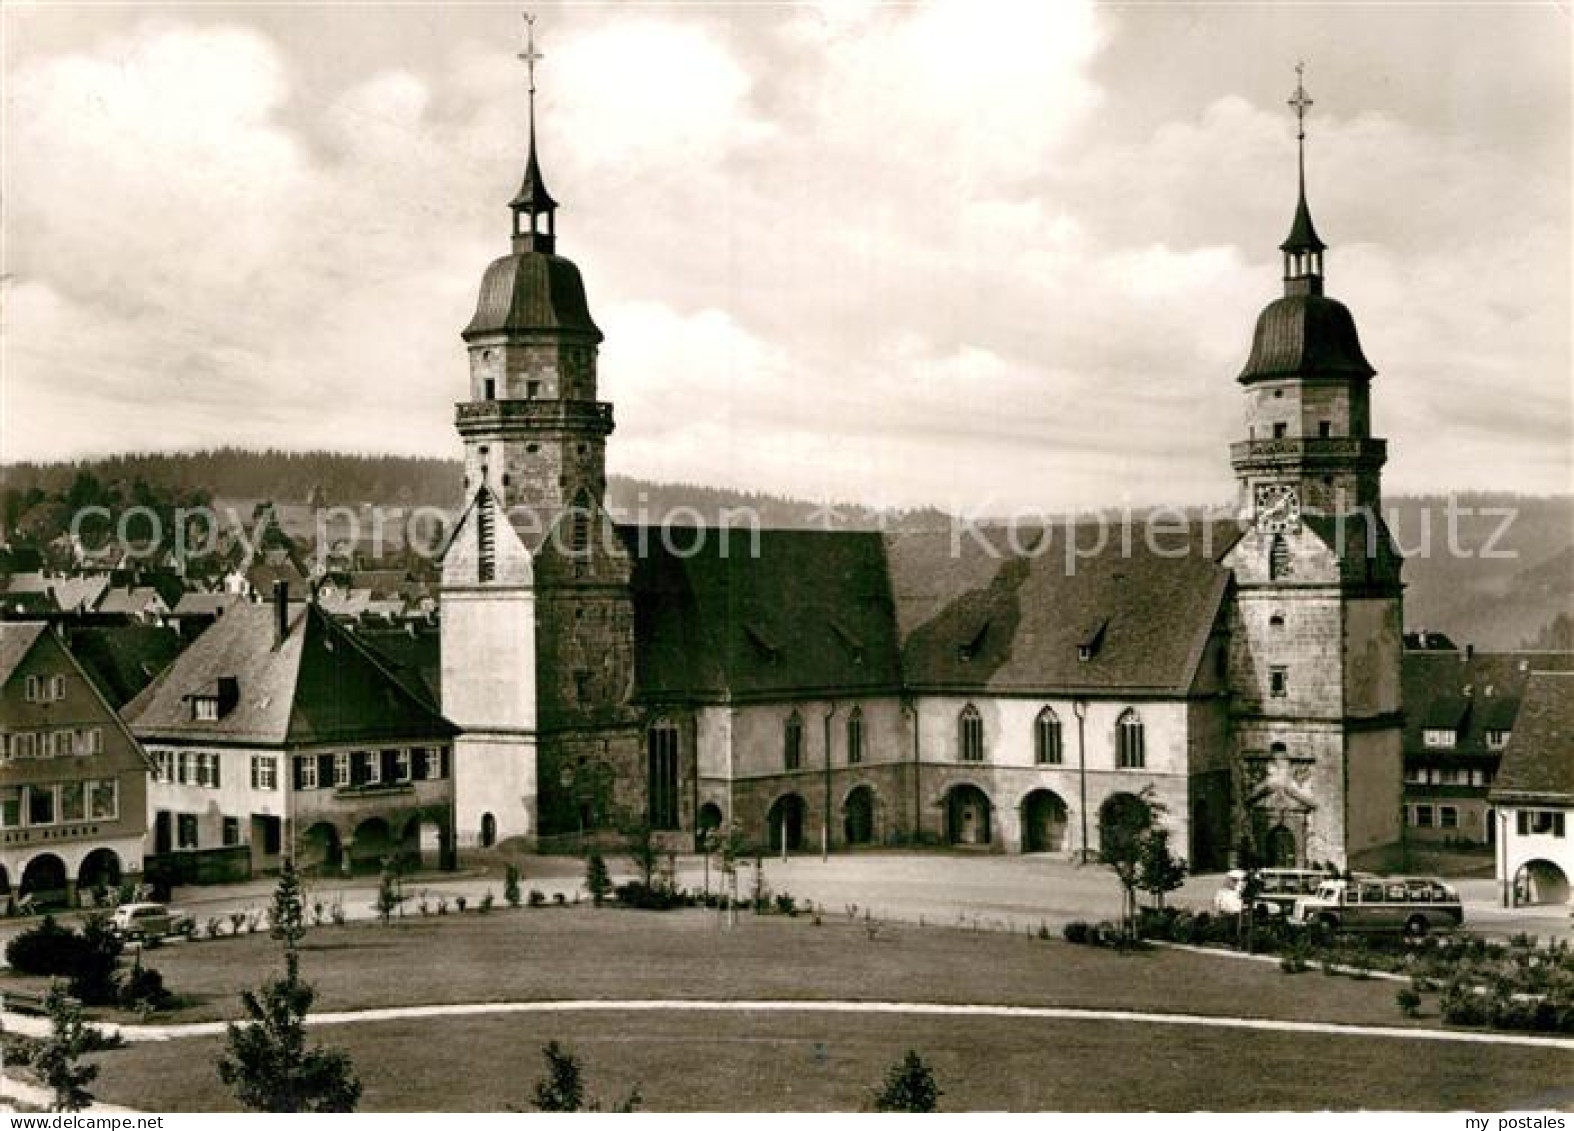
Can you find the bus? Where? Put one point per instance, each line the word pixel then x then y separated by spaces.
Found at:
pixel 1412 904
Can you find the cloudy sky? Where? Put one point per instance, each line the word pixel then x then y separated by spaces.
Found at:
pixel 977 255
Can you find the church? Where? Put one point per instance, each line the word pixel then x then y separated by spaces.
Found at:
pixel 981 689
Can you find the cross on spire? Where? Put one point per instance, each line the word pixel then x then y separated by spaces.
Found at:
pixel 1299 102
pixel 533 206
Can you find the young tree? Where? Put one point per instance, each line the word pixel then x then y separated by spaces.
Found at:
pixel 643 851
pixel 1250 888
pixel 511 885
pixel 909 1086
pixel 563 1087
pixel 1159 871
pixel 267 1061
pixel 598 881
pixel 58 1060
pixel 98 960
pixel 1121 848
pixel 287 916
pixel 388 897
pixel 727 842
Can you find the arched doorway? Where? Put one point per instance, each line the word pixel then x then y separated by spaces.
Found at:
pixel 706 821
pixel 319 849
pixel 786 821
pixel 1279 847
pixel 1540 881
pixel 100 873
pixel 372 845
pixel 422 845
pixel 44 879
pixel 488 830
pixel 858 816
pixel 1119 816
pixel 968 814
pixel 1043 822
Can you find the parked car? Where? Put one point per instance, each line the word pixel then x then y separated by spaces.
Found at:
pixel 1277 890
pixel 1412 904
pixel 142 921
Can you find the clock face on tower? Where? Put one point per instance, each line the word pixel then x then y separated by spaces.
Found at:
pixel 1278 508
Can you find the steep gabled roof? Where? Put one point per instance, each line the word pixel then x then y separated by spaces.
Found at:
pixel 810 612
pixel 975 615
pixel 125 658
pixel 1539 762
pixel 319 684
pixel 1468 693
pixel 16 641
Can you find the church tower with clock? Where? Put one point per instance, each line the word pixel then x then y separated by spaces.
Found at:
pixel 1316 632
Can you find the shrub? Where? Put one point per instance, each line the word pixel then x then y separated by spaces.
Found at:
pixel 142 988
pixel 637 894
pixel 94 979
pixel 511 885
pixel 1076 931
pixel 47 950
pixel 1409 1001
pixel 486 903
pixel 786 905
pixel 537 899
pixel 1043 927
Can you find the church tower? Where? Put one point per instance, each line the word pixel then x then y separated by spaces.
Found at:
pixel 1316 634
pixel 537 619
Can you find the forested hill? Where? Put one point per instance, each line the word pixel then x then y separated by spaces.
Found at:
pixel 1499 580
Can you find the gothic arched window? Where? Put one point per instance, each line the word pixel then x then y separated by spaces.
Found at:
pixel 1278 558
pixel 792 742
pixel 661 753
pixel 1130 751
pixel 855 736
pixel 1046 738
pixel 970 734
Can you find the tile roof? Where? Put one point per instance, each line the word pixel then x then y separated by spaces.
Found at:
pixel 205 604
pixel 979 616
pixel 1469 693
pixel 317 685
pixel 1539 762
pixel 131 600
pixel 16 640
pixel 125 658
pixel 817 611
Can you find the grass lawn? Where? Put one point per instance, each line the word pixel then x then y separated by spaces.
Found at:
pixel 774 1061
pixel 580 952
pixel 818 1063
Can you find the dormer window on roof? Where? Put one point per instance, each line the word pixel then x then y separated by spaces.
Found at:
pixel 761 640
pixel 855 646
pixel 214 700
pixel 970 648
pixel 1090 639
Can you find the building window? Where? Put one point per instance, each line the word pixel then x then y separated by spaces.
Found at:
pixel 402 764
pixel 231 831
pixel 1278 682
pixel 1497 739
pixel 208 770
pixel 264 772
pixel 205 708
pixel 970 734
pixel 1325 428
pixel 489 389
pixel 1448 817
pixel 1415 775
pixel 661 758
pixel 1539 822
pixel 1438 738
pixel 371 767
pixel 45 688
pixel 855 736
pixel 1046 738
pixel 1280 430
pixel 306 772
pixel 10 807
pixel 792 742
pixel 579 529
pixel 1130 746
pixel 103 799
pixel 40 804
pixel 1423 816
pixel 163 765
pixel 341 769
pixel 582 687
pixel 73 802
pixel 186 830
pixel 1278 558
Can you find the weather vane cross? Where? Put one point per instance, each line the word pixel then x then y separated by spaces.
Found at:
pixel 1299 102
pixel 530 56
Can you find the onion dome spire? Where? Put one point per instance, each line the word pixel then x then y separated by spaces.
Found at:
pixel 535 224
pixel 1303 250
